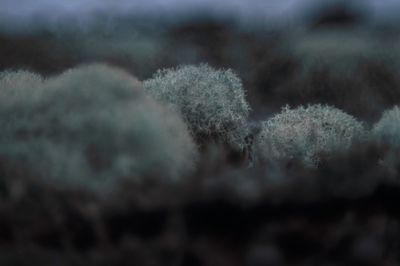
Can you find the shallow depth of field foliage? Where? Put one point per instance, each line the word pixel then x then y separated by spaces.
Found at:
pixel 12 80
pixel 151 157
pixel 304 133
pixel 91 127
pixel 18 86
pixel 211 101
pixel 387 129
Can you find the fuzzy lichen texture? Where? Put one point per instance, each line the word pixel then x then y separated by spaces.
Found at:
pixel 304 133
pixel 212 102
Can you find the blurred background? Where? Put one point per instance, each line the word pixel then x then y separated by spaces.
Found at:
pixel 27 15
pixel 30 14
pixel 274 46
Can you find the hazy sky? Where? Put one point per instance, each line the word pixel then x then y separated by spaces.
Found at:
pixel 62 8
pixel 24 13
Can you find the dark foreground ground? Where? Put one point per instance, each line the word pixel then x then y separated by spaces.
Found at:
pixel 344 213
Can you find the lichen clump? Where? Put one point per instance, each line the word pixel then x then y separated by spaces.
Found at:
pixel 304 133
pixel 93 127
pixel 212 102
pixel 387 129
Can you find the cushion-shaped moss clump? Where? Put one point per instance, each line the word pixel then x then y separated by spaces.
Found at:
pixel 212 102
pixel 93 127
pixel 304 133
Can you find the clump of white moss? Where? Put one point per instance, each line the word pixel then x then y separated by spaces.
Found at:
pixel 92 127
pixel 304 133
pixel 212 102
pixel 387 129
